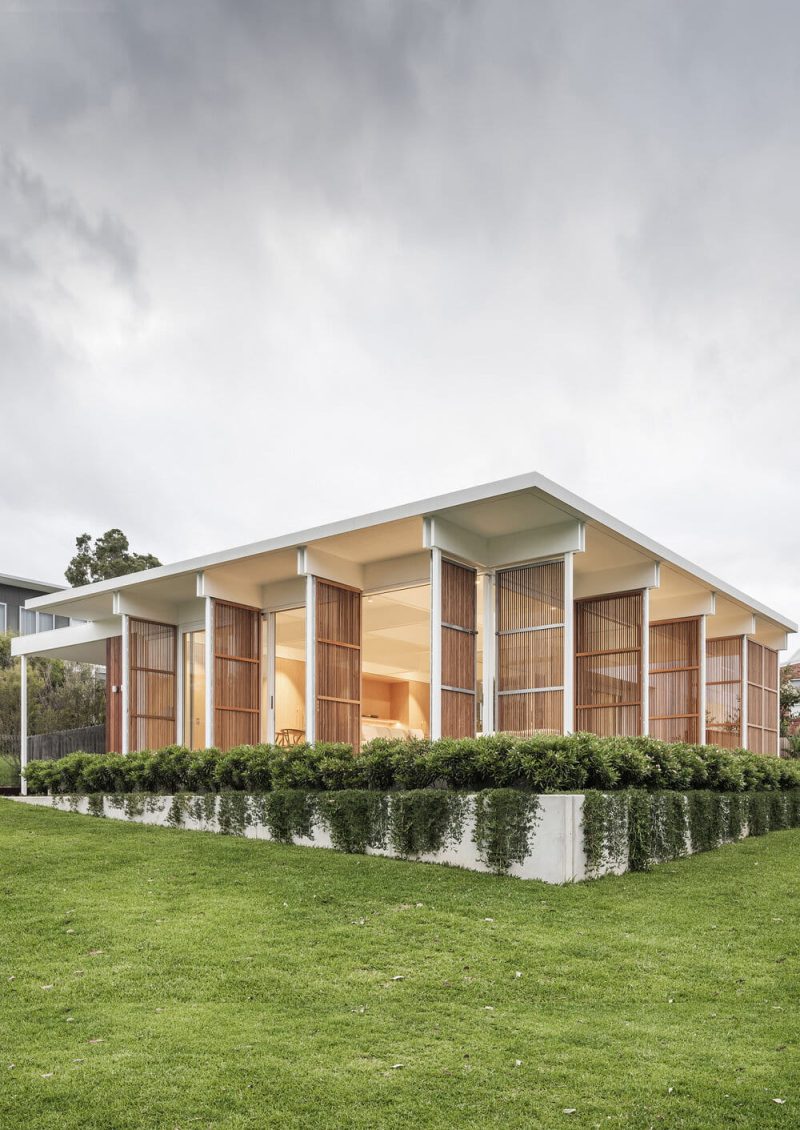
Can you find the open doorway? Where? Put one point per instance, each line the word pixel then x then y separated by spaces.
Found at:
pixel 396 664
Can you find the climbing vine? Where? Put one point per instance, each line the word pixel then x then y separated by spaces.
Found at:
pixel 355 818
pixel 425 820
pixel 504 822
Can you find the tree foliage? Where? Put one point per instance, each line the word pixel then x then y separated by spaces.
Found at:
pixel 61 696
pixel 110 556
pixel 790 699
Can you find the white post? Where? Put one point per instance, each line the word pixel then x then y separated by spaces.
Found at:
pixel 701 679
pixel 743 707
pixel 569 645
pixel 436 644
pixel 23 725
pixel 209 665
pixel 270 668
pixel 126 680
pixel 646 662
pixel 489 654
pixel 180 689
pixel 311 659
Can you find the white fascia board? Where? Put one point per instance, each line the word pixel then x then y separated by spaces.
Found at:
pixel 40 643
pixel 571 503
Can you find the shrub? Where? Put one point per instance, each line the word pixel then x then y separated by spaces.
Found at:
pixel 540 764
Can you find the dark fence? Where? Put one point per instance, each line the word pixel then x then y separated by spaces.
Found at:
pixel 49 747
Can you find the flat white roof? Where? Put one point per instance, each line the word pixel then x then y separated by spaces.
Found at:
pixel 25 583
pixel 571 504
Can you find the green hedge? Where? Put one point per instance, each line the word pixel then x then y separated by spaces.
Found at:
pixel 638 828
pixel 541 764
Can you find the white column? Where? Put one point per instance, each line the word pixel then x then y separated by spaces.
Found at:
pixel 743 710
pixel 209 665
pixel 569 645
pixel 646 661
pixel 126 681
pixel 270 668
pixel 311 659
pixel 489 653
pixel 436 644
pixel 701 678
pixel 23 724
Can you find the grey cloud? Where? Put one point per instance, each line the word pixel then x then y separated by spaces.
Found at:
pixel 474 238
pixel 106 238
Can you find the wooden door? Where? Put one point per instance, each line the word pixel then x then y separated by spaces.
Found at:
pixel 674 679
pixel 237 674
pixel 459 627
pixel 337 642
pixel 530 648
pixel 152 690
pixel 608 664
pixel 114 694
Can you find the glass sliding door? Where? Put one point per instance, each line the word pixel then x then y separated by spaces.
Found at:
pixel 194 689
pixel 289 692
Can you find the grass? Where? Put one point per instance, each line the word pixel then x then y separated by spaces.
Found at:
pixel 158 978
pixel 9 772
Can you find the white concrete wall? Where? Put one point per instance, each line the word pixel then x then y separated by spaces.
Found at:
pixel 556 852
pixel 556 842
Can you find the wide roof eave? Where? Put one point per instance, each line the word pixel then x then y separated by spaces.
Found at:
pixel 579 507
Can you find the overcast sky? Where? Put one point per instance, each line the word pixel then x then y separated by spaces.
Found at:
pixel 266 265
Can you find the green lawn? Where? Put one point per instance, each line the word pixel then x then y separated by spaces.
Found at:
pixel 157 978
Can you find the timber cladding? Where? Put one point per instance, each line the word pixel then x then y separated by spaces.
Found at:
pixel 337 640
pixel 153 660
pixel 530 648
pixel 459 628
pixel 724 696
pixel 762 699
pixel 608 664
pixel 237 674
pixel 114 694
pixel 674 679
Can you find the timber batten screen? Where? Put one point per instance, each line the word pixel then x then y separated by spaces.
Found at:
pixel 608 664
pixel 114 694
pixel 338 663
pixel 530 648
pixel 237 674
pixel 674 679
pixel 152 688
pixel 459 629
pixel 724 692
pixel 762 699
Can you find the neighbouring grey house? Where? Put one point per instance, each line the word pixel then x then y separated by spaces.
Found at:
pixel 14 617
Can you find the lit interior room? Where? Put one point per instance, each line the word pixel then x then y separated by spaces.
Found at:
pixel 290 676
pixel 396 664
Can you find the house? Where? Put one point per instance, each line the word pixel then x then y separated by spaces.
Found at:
pixel 14 617
pixel 514 606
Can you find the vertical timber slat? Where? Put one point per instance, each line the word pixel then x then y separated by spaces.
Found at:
pixel 459 599
pixel 337 676
pixel 237 674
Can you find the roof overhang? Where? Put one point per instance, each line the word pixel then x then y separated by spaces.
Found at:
pixel 485 515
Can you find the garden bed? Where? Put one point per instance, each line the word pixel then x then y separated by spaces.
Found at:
pixel 553 837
